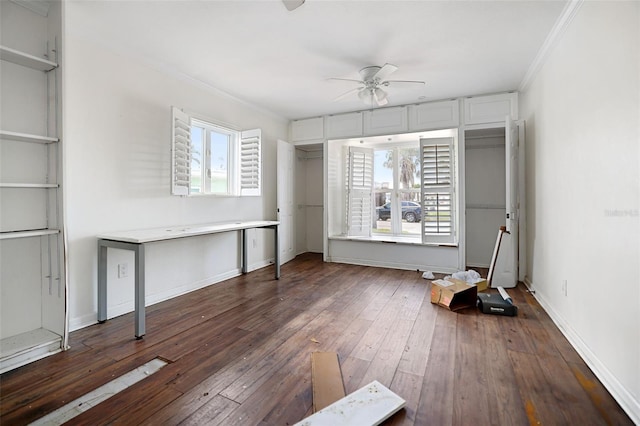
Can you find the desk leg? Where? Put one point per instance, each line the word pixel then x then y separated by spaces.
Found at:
pixel 245 257
pixel 102 282
pixel 276 238
pixel 139 291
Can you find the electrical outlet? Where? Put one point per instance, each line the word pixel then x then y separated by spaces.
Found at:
pixel 123 270
pixel 564 287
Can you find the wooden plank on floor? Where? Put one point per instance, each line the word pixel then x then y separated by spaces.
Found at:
pixel 326 379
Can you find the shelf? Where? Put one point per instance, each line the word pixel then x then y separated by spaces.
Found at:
pixel 25 59
pixel 27 347
pixel 29 185
pixel 26 137
pixel 27 234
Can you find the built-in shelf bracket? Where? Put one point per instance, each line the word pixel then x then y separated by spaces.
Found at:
pixel 26 137
pixel 26 60
pixel 29 185
pixel 27 234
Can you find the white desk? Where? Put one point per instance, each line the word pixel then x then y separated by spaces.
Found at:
pixel 136 240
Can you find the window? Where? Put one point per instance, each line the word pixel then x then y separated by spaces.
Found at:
pixel 399 188
pixel 211 159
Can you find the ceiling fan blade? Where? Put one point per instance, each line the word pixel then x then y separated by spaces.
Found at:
pixel 292 4
pixel 385 71
pixel 386 83
pixel 345 94
pixel 346 79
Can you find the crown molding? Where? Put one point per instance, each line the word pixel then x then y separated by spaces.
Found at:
pixel 41 7
pixel 562 23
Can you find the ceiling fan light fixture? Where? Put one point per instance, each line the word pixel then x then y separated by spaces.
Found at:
pixel 365 95
pixel 373 78
pixel 380 94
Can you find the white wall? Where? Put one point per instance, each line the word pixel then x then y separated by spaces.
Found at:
pixel 582 117
pixel 117 149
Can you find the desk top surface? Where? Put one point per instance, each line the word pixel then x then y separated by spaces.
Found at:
pixel 140 236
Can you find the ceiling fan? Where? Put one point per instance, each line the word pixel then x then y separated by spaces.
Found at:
pixel 372 79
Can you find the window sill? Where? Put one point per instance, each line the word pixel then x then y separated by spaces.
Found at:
pixel 208 194
pixel 392 240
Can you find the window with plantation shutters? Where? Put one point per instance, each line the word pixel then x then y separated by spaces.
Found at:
pixel 180 153
pixel 437 189
pixel 250 162
pixel 360 192
pixel 210 159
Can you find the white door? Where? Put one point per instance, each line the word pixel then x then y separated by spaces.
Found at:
pixel 285 200
pixel 506 269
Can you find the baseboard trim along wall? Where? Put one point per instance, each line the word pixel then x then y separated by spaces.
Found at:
pixel 630 405
pixel 392 265
pixel 125 308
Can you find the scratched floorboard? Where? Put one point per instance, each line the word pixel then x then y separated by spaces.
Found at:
pixel 239 353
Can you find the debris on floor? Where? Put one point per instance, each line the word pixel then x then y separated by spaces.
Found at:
pixel 453 294
pixel 428 275
pixel 326 379
pixel 497 304
pixel 369 405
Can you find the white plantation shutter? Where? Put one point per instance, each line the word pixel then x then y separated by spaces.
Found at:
pixel 360 189
pixel 250 162
pixel 180 153
pixel 437 189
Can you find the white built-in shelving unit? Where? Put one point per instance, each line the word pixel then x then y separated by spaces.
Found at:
pixel 33 310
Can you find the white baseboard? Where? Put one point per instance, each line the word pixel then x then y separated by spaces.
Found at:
pixel 626 400
pixel 128 306
pixel 393 265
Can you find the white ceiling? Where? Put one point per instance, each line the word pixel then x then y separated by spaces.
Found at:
pixel 278 60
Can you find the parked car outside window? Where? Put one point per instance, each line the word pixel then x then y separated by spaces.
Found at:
pixel 411 211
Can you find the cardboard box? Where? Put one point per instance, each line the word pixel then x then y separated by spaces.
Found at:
pixel 453 294
pixel 481 284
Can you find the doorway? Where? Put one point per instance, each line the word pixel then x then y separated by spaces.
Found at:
pixel 309 196
pixel 485 193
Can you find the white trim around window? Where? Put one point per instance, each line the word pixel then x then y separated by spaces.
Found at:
pixel 209 159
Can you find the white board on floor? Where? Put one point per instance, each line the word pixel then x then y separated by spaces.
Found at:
pixel 369 405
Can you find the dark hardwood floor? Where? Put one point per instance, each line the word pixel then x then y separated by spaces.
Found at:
pixel 239 353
